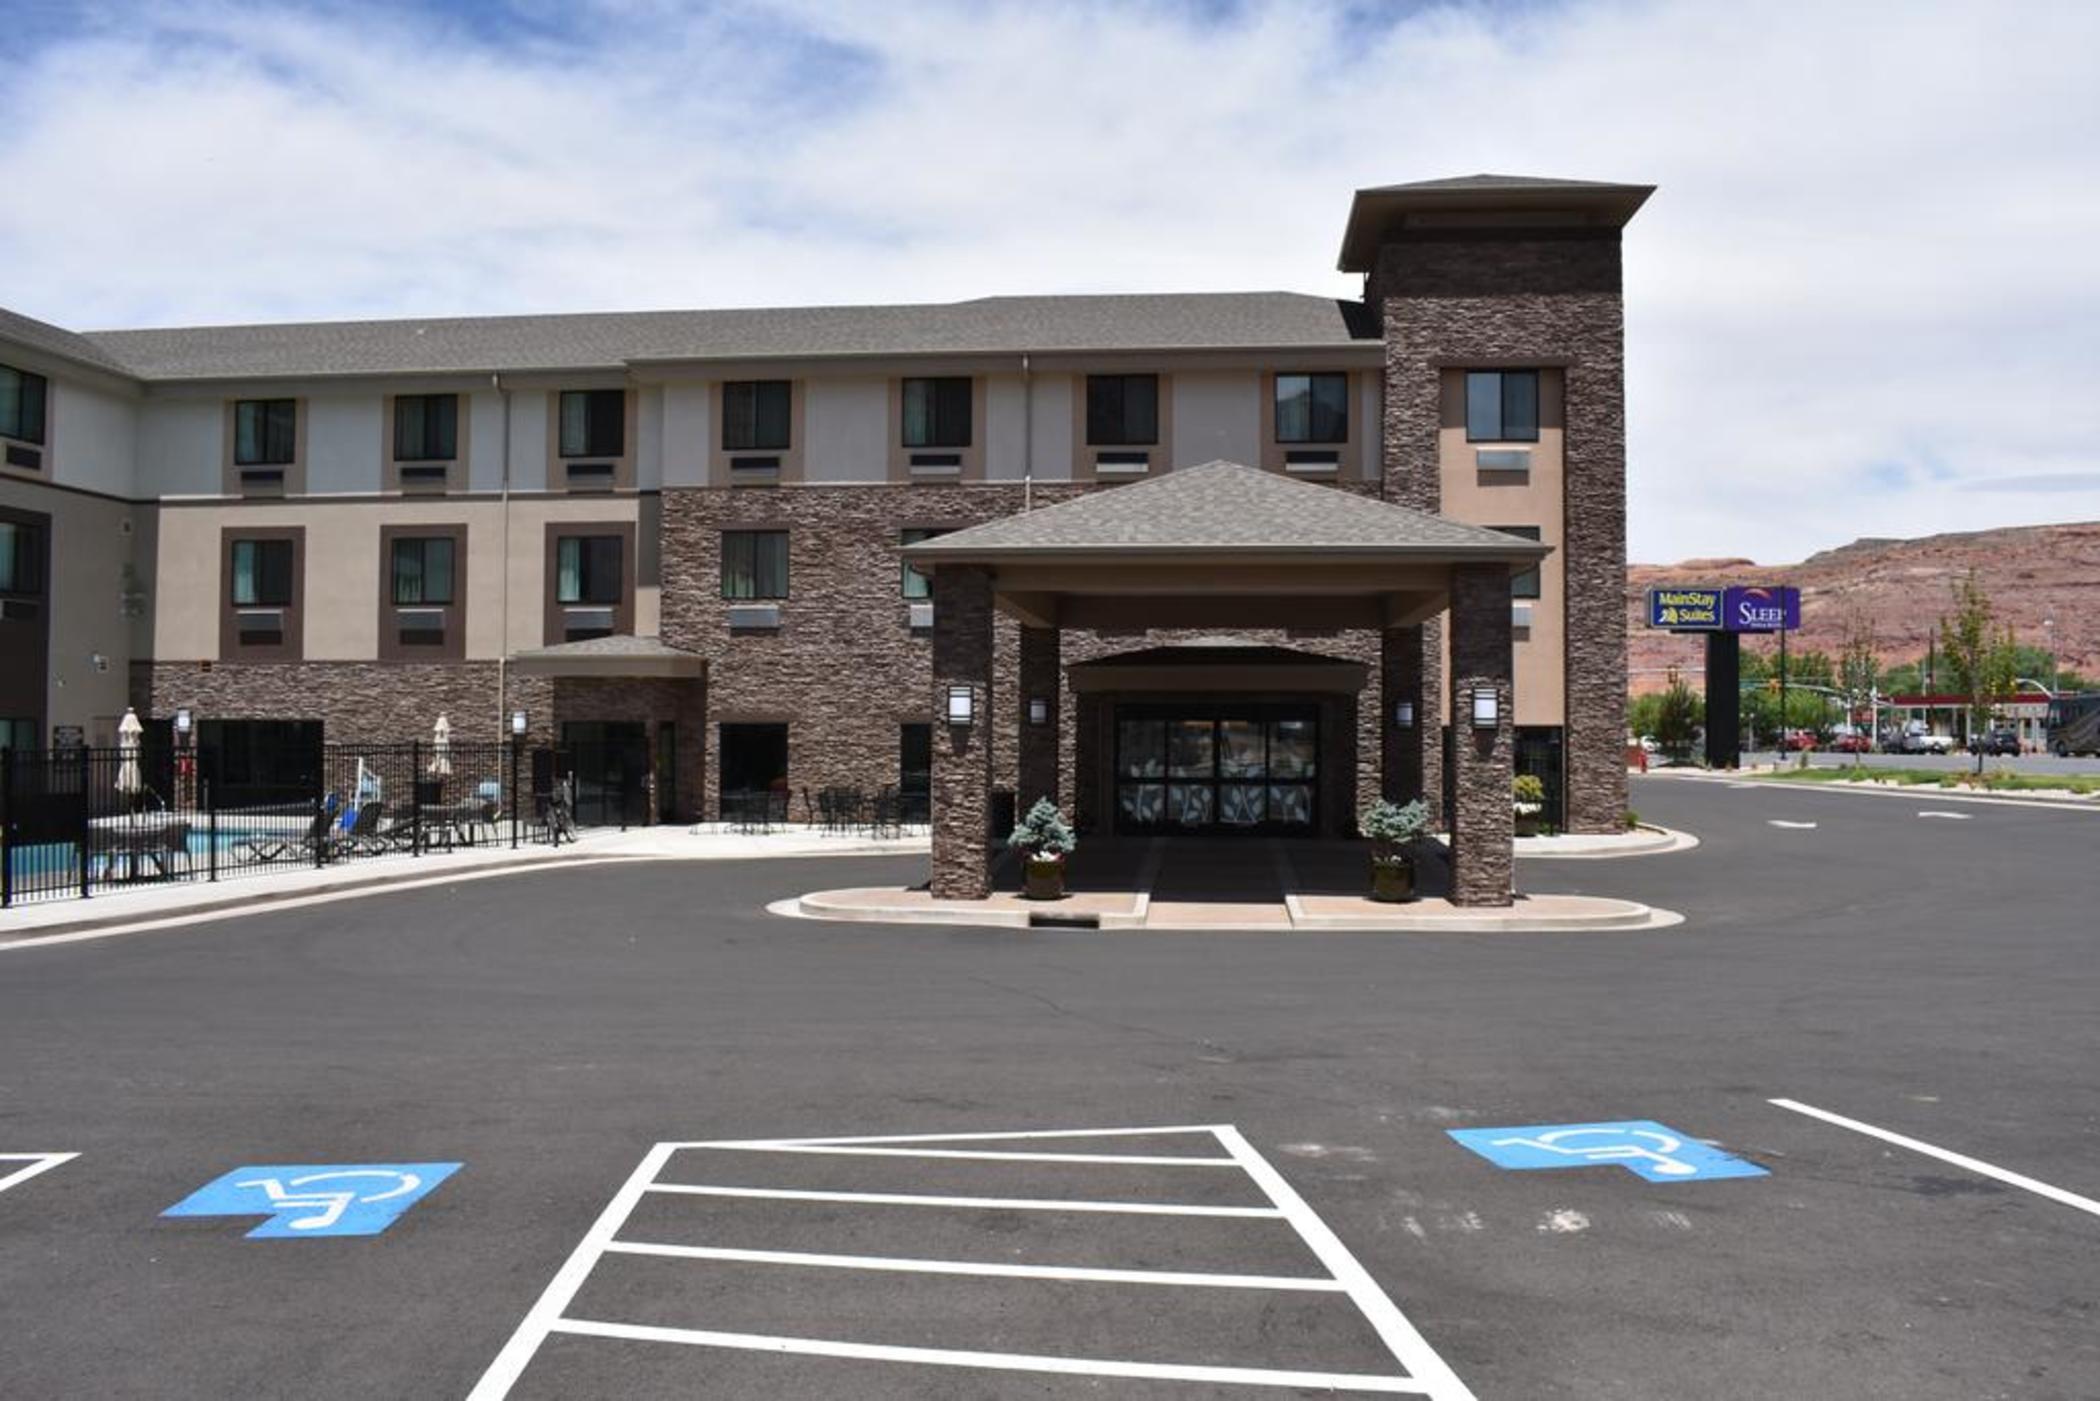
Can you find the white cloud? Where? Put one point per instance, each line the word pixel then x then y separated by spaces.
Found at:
pixel 1864 292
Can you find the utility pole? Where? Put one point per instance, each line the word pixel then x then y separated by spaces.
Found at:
pixel 1782 688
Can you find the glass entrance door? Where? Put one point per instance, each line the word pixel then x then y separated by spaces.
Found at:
pixel 1217 768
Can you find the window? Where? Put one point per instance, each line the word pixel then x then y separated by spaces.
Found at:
pixel 587 570
pixel 265 432
pixel 1502 406
pixel 1122 410
pixel 754 564
pixel 426 427
pixel 755 414
pixel 21 405
pixel 21 558
pixel 423 572
pixel 593 422
pixel 262 574
pixel 915 584
pixel 937 413
pixel 1312 408
pixel 18 734
pixel 1525 585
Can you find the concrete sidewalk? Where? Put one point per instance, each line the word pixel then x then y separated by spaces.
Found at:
pixel 260 889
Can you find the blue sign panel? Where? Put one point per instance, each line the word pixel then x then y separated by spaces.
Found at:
pixel 1762 609
pixel 1686 609
pixel 1643 1147
pixel 358 1199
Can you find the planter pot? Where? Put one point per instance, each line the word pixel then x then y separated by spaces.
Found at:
pixel 1528 824
pixel 1046 879
pixel 1393 881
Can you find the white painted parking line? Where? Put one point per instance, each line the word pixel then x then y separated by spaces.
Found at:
pixel 1790 826
pixel 38 1162
pixel 798 1194
pixel 1961 1160
pixel 973 1267
pixel 1950 816
pixel 1424 1373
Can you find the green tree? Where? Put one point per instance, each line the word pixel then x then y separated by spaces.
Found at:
pixel 1678 718
pixel 1859 671
pixel 1979 657
pixel 1811 669
pixel 1642 713
pixel 1903 679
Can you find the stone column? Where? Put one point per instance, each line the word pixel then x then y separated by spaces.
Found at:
pixel 1484 760
pixel 962 754
pixel 1413 758
pixel 1040 675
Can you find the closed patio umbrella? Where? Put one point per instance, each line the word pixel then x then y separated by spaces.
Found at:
pixel 129 781
pixel 441 749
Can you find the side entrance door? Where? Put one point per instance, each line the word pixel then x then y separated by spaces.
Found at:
pixel 610 759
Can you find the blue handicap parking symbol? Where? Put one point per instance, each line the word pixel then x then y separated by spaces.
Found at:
pixel 306 1199
pixel 1641 1146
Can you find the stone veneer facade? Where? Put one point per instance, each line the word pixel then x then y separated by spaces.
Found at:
pixel 1484 300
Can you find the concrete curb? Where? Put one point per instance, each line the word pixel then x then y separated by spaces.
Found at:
pixel 1660 841
pixel 1915 792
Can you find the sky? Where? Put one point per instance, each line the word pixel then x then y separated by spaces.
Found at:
pixel 1864 301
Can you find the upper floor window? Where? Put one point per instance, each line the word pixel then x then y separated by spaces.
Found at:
pixel 265 432
pixel 587 570
pixel 422 570
pixel 937 412
pixel 262 573
pixel 426 427
pixel 21 405
pixel 17 733
pixel 918 586
pixel 1312 408
pixel 754 564
pixel 593 422
pixel 21 558
pixel 1122 410
pixel 755 414
pixel 1525 585
pixel 1502 406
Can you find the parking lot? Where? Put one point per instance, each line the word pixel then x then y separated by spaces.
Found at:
pixel 664 1144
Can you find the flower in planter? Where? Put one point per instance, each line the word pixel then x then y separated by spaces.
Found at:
pixel 1528 795
pixel 1044 834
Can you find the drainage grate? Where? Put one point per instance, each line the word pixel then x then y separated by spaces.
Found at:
pixel 1047 920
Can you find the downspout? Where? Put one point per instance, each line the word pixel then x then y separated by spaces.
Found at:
pixel 1027 436
pixel 503 630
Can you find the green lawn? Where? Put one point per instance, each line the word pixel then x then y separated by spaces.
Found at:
pixel 1991 780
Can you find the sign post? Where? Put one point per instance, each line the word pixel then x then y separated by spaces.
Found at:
pixel 1724 614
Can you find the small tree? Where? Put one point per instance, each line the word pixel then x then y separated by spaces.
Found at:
pixel 1859 672
pixel 1980 659
pixel 1393 827
pixel 1044 834
pixel 1678 718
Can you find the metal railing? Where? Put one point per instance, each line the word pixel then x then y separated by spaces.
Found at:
pixel 79 822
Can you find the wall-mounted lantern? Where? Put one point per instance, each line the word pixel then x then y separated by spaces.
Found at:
pixel 517 723
pixel 184 723
pixel 1487 708
pixel 962 705
pixel 1403 714
pixel 1038 711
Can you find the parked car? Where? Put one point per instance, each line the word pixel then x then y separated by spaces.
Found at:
pixel 1916 739
pixel 1798 740
pixel 1850 744
pixel 2001 740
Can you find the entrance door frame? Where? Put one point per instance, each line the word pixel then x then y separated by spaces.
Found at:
pixel 1216 709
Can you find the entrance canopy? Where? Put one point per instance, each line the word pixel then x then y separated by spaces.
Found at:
pixel 610 656
pixel 1226 546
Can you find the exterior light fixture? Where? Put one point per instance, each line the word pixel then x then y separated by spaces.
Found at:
pixel 1486 708
pixel 1038 711
pixel 517 723
pixel 1404 714
pixel 962 704
pixel 184 722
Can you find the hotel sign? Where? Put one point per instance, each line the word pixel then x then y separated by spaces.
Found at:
pixel 1738 608
pixel 1686 609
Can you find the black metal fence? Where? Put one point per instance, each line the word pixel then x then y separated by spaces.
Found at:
pixel 77 822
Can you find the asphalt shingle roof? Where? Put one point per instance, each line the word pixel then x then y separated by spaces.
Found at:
pixel 990 325
pixel 55 340
pixel 1224 506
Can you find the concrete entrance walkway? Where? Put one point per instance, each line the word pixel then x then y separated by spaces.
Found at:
pixel 1244 883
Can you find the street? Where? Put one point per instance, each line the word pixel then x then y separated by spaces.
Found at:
pixel 1227 1166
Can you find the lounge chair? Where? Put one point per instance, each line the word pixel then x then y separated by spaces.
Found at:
pixel 317 837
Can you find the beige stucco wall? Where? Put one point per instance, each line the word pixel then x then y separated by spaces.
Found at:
pixel 1504 498
pixel 343 575
pixel 90 542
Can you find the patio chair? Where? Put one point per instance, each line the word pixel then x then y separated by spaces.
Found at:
pixel 368 833
pixel 263 850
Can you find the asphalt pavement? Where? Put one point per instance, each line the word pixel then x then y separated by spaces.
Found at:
pixel 636 1072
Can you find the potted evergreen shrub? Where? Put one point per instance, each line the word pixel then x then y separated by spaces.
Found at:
pixel 1528 797
pixel 1044 839
pixel 1393 829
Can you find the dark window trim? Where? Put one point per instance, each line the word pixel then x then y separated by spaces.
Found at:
pixel 599 440
pixel 30 562
pixel 436 446
pixel 554 618
pixel 756 439
pixel 291 644
pixel 786 565
pixel 1526 585
pixel 912 535
pixel 1503 380
pixel 1312 436
pixel 949 415
pixel 1098 433
pixel 34 417
pixel 451 645
pixel 267 446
